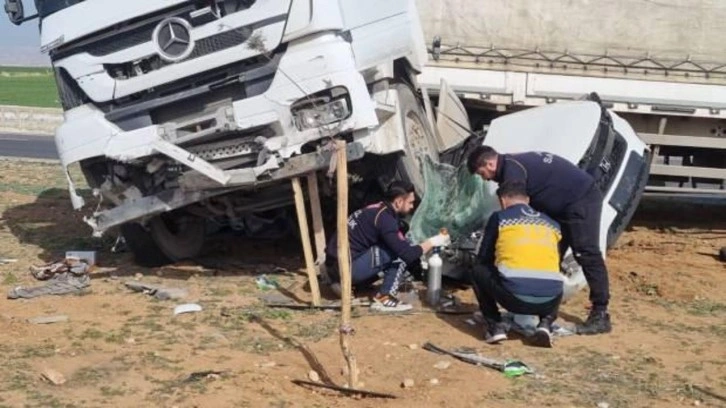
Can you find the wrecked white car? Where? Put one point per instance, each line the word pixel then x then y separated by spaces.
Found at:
pixel 584 132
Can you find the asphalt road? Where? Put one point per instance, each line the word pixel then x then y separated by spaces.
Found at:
pixel 29 146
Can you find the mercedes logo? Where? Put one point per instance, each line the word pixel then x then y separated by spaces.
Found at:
pixel 173 40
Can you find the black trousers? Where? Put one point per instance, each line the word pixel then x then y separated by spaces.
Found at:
pixel 489 291
pixel 580 225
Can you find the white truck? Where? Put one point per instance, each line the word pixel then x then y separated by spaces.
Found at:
pixel 661 65
pixel 182 112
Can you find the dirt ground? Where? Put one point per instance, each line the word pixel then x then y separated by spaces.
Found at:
pixel 121 349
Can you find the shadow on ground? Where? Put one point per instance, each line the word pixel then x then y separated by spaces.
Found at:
pixel 51 224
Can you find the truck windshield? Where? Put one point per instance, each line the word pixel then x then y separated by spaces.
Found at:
pixel 48 7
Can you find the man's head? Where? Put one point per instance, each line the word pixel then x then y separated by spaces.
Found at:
pixel 512 192
pixel 401 195
pixel 483 161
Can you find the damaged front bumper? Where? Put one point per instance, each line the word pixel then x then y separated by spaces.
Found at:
pixel 203 188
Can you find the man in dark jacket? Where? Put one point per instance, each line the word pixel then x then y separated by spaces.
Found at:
pixel 377 244
pixel 519 266
pixel 568 194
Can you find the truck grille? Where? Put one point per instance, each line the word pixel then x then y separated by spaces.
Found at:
pixel 227 39
pixel 120 37
pixel 205 46
pixel 610 165
pixel 126 40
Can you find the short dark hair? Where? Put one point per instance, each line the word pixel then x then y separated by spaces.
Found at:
pixel 512 188
pixel 479 157
pixel 397 189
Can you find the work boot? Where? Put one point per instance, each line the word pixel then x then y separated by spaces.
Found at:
pixel 598 321
pixel 542 337
pixel 495 331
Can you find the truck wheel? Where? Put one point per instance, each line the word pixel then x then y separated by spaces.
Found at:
pixel 722 254
pixel 419 138
pixel 170 237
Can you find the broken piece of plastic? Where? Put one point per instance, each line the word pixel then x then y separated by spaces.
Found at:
pixel 515 368
pixel 187 308
pixel 265 283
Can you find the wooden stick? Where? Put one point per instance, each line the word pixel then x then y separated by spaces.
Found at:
pixel 346 330
pixel 347 391
pixel 302 221
pixel 709 393
pixel 318 228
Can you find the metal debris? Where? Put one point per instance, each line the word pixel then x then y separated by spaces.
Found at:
pixel 157 291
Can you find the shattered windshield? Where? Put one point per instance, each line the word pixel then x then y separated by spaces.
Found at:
pixel 453 199
pixel 48 7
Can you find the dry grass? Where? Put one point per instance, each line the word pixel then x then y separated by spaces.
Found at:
pixel 127 349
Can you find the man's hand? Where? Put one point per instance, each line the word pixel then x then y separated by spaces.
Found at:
pixel 440 240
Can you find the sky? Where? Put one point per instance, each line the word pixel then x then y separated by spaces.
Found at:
pixel 20 45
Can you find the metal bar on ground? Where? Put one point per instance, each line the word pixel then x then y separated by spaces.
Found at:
pixel 344 390
pixel 302 221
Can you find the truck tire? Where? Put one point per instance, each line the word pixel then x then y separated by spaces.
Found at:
pixel 722 254
pixel 170 237
pixel 419 138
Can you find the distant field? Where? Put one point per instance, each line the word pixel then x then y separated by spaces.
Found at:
pixel 28 87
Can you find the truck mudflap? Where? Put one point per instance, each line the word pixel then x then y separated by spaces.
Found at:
pixel 195 186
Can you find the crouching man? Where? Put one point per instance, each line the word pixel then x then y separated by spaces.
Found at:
pixel 519 266
pixel 377 245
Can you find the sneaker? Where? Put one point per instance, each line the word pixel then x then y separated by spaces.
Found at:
pixel 389 304
pixel 597 322
pixel 495 332
pixel 542 336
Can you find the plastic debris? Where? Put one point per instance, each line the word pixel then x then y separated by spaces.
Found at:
pixel 88 257
pixel 187 308
pixel 265 283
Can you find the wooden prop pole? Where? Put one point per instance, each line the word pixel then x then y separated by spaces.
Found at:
pixel 315 211
pixel 346 330
pixel 302 221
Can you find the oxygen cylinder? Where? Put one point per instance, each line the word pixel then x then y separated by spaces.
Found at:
pixel 433 290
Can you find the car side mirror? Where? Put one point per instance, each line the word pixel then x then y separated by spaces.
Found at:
pixel 14 10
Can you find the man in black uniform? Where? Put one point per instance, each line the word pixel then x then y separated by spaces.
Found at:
pixel 377 244
pixel 568 194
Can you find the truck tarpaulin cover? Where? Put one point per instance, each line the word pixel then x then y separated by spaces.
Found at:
pixel 453 199
pixel 663 29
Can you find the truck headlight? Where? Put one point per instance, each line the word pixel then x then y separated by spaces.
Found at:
pixel 322 108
